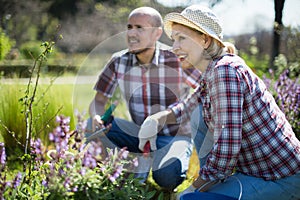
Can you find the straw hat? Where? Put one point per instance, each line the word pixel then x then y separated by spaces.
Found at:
pixel 196 17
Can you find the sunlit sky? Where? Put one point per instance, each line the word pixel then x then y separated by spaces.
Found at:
pixel 247 16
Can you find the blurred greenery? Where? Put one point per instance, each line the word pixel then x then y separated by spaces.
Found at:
pixel 5 44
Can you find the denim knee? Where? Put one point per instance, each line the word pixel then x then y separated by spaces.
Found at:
pixel 169 177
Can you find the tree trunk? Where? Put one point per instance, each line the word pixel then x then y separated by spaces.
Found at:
pixel 278 26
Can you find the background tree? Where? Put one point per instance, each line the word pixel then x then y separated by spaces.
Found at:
pixel 277 29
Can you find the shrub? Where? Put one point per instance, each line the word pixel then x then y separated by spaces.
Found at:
pixel 73 170
pixel 5 45
pixel 287 95
pixel 32 49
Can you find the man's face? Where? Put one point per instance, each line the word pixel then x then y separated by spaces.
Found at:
pixel 141 35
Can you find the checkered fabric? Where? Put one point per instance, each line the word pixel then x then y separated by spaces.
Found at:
pixel 252 135
pixel 148 89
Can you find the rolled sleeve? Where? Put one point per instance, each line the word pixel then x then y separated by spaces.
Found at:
pixel 183 109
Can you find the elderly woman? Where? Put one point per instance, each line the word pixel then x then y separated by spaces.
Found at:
pixel 248 148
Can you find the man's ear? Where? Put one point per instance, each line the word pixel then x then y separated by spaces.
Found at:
pixel 159 32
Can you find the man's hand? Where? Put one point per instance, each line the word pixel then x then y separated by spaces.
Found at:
pixel 148 132
pixel 97 123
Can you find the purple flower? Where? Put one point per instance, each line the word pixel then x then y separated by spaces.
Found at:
pixel 111 178
pixel 61 171
pixel 44 183
pixel 124 153
pixel 287 95
pixel 118 171
pixel 103 168
pixel 36 147
pixel 60 135
pixel 67 182
pixel 2 154
pixel 17 180
pixel 66 120
pixel 75 189
pixel 58 119
pixel 89 161
pixel 51 137
pixel 94 149
pixel 82 171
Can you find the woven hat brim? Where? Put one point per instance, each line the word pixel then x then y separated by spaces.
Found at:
pixel 178 18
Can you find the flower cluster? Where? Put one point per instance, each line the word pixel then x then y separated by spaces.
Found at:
pixel 73 169
pixel 37 151
pixel 112 167
pixel 287 95
pixel 60 135
pixel 7 186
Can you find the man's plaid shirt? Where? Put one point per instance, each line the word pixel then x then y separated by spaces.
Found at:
pixel 149 88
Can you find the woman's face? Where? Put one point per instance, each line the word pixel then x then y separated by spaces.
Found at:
pixel 188 46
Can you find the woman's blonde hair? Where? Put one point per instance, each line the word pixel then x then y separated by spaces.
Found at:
pixel 215 49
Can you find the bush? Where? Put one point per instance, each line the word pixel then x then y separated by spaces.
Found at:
pixel 73 170
pixel 286 92
pixel 32 49
pixel 5 44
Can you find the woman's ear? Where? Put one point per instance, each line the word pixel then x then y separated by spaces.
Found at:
pixel 207 41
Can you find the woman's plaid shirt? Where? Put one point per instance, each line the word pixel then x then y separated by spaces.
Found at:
pixel 251 133
pixel 148 89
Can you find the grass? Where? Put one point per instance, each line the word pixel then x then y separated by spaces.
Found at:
pixel 49 102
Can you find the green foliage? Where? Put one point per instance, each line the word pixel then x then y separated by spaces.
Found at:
pixel 259 66
pixel 292 42
pixel 32 50
pixel 73 170
pixel 254 59
pixel 5 44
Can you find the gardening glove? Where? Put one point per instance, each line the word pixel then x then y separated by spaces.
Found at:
pixel 186 191
pixel 148 132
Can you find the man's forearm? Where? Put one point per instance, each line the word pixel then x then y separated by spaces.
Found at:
pixel 97 105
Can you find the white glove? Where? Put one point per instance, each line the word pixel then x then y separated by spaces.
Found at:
pixel 187 190
pixel 148 132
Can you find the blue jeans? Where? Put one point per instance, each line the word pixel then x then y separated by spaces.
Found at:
pixel 253 188
pixel 202 139
pixel 249 187
pixel 169 162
